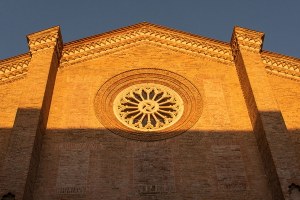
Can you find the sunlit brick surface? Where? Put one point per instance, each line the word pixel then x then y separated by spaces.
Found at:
pixel 244 145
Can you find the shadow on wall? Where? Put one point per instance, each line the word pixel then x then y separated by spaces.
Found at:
pixel 98 164
pixel 294 191
pixel 8 196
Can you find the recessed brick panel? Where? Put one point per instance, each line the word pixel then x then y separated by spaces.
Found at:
pixel 230 168
pixel 72 171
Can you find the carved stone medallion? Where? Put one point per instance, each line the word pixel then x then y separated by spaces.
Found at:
pixel 148 107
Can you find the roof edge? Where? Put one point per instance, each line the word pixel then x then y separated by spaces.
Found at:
pixel 140 25
pixel 276 63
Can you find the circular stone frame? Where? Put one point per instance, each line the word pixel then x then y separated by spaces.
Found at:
pixel 110 89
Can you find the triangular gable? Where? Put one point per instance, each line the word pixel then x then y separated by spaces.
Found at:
pixel 98 45
pixel 92 47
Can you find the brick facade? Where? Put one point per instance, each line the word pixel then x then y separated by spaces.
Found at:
pixel 238 138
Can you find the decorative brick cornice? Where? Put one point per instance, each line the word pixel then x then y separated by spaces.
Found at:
pixel 46 39
pixel 88 48
pixel 246 39
pixel 14 68
pixel 281 65
pixel 277 64
pixel 96 46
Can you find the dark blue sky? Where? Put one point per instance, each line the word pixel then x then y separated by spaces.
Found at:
pixel 278 19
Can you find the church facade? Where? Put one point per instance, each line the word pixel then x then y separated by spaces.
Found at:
pixel 147 112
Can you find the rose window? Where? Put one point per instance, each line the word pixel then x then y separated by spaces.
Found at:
pixel 148 107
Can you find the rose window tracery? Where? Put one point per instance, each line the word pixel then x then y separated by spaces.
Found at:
pixel 148 104
pixel 148 107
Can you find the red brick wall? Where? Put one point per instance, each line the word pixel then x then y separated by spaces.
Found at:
pixel 10 95
pixel 216 159
pixel 244 146
pixel 287 94
pixel 18 173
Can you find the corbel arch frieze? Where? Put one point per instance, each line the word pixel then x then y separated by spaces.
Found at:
pixel 280 65
pixel 14 68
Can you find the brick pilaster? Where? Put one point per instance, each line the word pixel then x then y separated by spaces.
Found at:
pixel 268 124
pixel 21 162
